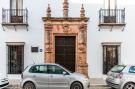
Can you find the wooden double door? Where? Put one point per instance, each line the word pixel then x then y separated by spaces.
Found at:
pixel 65 47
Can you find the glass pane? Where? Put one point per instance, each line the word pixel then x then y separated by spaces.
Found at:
pixel 110 4
pixel 42 69
pixel 34 69
pixel 118 68
pixel 13 4
pixel 132 69
pixel 55 70
pixel 20 4
pixel 16 4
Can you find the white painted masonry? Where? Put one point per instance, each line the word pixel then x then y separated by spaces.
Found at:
pixel 35 35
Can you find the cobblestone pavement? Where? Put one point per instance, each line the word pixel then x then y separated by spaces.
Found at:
pixel 13 87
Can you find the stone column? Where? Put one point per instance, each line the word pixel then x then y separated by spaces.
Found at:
pixel 82 65
pixel 48 44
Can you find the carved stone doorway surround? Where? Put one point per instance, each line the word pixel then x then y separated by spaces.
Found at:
pixel 67 26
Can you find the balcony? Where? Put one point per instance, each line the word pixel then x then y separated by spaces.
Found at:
pixel 14 17
pixel 112 17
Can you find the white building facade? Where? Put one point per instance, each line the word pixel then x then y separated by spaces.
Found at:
pixel 110 33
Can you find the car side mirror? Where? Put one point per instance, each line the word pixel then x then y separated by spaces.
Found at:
pixel 64 73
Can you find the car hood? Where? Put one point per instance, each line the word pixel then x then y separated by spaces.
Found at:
pixel 2 76
pixel 78 75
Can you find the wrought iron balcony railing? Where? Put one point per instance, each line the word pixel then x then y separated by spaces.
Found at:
pixel 14 16
pixel 111 16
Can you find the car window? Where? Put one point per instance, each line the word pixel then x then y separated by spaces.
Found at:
pixel 117 68
pixel 38 69
pixel 132 69
pixel 53 69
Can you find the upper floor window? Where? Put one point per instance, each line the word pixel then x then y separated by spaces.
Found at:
pixel 111 16
pixel 16 4
pixel 110 4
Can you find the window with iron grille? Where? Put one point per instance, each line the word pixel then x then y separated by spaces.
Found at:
pixel 110 13
pixel 15 59
pixel 110 57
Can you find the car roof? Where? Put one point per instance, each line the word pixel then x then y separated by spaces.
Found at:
pixel 44 64
pixel 126 65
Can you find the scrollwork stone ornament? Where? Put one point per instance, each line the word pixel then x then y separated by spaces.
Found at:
pixel 49 49
pixel 82 36
pixel 65 28
pixel 48 36
pixel 48 26
pixel 83 27
pixel 83 33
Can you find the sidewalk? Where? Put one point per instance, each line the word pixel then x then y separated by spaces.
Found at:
pixel 98 82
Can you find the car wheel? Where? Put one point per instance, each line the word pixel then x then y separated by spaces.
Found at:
pixel 29 85
pixel 129 86
pixel 76 85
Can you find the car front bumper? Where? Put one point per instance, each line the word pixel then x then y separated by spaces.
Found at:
pixel 4 83
pixel 114 83
pixel 86 84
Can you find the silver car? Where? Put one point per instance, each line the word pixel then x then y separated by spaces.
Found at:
pixel 121 77
pixel 4 82
pixel 52 76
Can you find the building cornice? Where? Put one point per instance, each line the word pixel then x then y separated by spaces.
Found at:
pixel 86 19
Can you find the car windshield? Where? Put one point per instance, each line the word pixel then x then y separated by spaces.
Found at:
pixel 117 68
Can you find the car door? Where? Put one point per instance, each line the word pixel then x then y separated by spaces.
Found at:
pixel 58 80
pixel 40 75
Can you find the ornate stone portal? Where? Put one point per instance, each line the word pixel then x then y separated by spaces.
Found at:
pixel 67 26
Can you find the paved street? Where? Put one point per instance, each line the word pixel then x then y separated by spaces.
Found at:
pixel 99 87
pixel 96 83
pixel 92 87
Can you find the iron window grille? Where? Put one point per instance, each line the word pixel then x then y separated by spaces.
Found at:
pixel 14 16
pixel 112 16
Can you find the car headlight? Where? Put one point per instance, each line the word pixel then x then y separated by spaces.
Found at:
pixel 4 80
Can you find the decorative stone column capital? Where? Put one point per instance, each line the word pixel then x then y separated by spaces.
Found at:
pixel 65 8
pixel 82 12
pixel 83 27
pixel 48 11
pixel 48 26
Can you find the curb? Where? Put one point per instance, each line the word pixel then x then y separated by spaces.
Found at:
pixel 97 85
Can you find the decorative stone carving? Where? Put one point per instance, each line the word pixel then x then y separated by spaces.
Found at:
pixel 82 37
pixel 65 28
pixel 82 49
pixel 65 8
pixel 83 26
pixel 82 12
pixel 48 36
pixel 48 11
pixel 83 33
pixel 59 26
pixel 48 48
pixel 48 26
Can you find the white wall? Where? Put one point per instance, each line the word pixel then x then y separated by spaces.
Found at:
pixel 35 35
